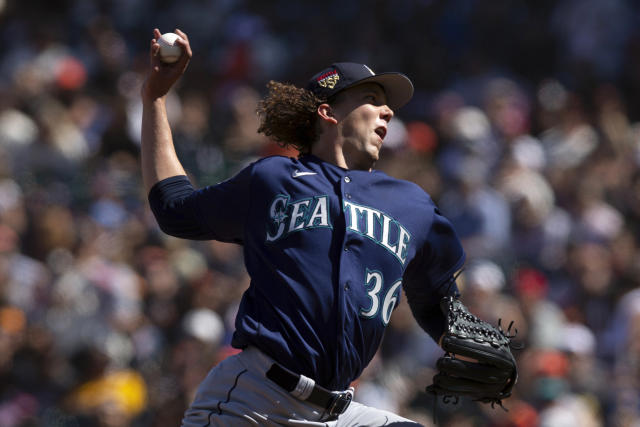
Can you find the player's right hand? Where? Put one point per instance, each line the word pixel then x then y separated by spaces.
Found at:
pixel 162 76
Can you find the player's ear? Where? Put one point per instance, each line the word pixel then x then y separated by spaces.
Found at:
pixel 326 113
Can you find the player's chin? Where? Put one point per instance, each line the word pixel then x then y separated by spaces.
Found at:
pixel 374 151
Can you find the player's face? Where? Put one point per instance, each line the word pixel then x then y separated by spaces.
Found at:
pixel 363 117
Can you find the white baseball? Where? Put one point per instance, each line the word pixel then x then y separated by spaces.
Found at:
pixel 170 51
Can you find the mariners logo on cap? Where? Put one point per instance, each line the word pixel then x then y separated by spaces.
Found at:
pixel 329 79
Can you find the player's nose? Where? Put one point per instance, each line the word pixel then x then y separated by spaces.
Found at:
pixel 386 113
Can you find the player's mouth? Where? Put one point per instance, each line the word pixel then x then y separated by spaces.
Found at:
pixel 381 131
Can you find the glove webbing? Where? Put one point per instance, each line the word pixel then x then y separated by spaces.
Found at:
pixel 489 334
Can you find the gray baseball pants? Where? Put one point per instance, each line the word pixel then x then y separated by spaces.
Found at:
pixel 237 393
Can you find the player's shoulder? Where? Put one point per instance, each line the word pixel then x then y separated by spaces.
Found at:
pixel 407 188
pixel 274 163
pixel 281 167
pixel 270 166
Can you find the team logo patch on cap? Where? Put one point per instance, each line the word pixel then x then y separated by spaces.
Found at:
pixel 329 79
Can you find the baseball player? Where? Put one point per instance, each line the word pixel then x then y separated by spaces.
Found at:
pixel 328 243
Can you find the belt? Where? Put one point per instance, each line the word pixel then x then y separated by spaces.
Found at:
pixel 304 388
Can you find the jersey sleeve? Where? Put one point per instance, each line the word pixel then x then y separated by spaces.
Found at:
pixel 429 276
pixel 216 212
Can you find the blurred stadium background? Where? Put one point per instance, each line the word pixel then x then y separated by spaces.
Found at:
pixel 525 129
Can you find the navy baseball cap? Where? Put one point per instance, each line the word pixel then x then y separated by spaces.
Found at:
pixel 342 75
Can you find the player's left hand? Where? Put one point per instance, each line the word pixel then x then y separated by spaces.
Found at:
pixel 163 76
pixel 478 362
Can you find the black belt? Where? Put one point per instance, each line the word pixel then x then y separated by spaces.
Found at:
pixel 334 402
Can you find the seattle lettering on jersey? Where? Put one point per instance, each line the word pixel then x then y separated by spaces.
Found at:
pixel 379 227
pixel 288 217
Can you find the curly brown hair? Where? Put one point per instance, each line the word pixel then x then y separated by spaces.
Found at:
pixel 288 115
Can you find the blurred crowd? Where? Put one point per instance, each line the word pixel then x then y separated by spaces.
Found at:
pixel 525 129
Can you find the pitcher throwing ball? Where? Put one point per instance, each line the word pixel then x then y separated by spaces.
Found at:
pixel 328 242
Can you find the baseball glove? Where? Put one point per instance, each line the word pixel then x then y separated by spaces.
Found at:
pixel 488 380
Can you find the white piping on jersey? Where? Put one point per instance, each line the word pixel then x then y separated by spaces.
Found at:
pixel 297 173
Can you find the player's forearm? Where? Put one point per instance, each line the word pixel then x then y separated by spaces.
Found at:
pixel 159 158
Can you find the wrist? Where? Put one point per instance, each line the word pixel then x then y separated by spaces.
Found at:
pixel 151 100
pixel 150 95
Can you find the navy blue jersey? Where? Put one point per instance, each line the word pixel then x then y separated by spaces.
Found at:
pixel 327 250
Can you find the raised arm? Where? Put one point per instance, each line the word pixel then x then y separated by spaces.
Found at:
pixel 159 159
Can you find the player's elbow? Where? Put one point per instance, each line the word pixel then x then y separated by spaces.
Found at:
pixel 182 230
